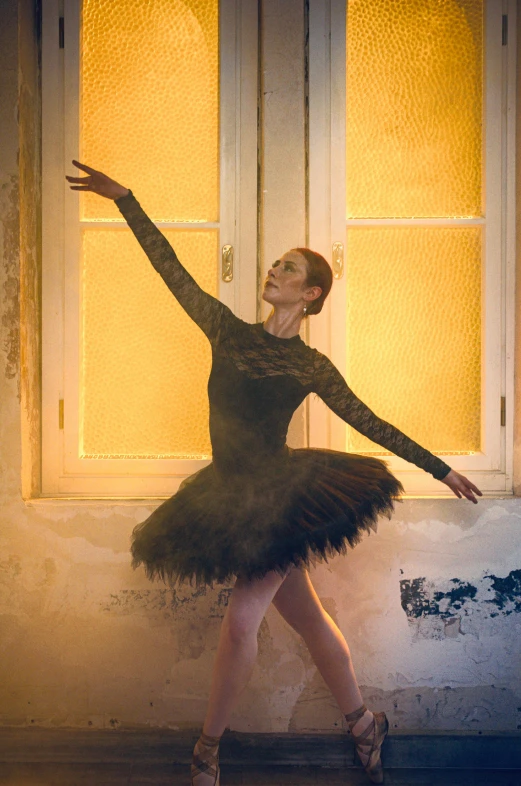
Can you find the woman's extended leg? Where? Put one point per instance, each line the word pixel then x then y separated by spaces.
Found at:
pixel 234 662
pixel 297 601
pixel 299 604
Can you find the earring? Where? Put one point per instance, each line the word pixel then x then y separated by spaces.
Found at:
pixel 305 309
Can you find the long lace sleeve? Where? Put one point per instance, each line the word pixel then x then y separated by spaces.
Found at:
pixel 332 388
pixel 206 311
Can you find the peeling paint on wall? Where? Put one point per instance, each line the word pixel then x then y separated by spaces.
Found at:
pixel 167 603
pixel 420 597
pixel 508 592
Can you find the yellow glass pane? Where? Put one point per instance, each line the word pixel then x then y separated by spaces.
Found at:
pixel 149 110
pixel 414 108
pixel 144 362
pixel 414 333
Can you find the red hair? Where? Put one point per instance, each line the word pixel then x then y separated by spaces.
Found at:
pixel 319 275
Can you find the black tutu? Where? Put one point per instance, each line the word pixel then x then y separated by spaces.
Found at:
pixel 306 506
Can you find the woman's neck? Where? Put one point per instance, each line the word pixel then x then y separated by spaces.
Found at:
pixel 283 323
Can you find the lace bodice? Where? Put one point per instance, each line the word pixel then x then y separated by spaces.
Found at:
pixel 257 379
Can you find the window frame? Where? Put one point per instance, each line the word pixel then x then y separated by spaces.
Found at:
pixel 63 472
pixel 491 471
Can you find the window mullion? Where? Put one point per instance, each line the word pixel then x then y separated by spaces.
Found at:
pixel 52 248
pixel 195 226
pixel 443 221
pixel 510 63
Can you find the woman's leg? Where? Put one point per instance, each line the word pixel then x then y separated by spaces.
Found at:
pixel 299 604
pixel 237 648
pixel 234 662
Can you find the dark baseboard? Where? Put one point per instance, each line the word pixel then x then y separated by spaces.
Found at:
pixel 497 750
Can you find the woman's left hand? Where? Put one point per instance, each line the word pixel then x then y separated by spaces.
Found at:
pixel 461 486
pixel 97 182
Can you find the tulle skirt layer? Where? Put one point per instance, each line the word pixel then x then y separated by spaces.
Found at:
pixel 297 510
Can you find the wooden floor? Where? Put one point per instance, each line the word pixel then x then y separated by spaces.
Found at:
pixel 168 775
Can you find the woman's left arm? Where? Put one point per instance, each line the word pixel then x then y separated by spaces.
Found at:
pixel 332 388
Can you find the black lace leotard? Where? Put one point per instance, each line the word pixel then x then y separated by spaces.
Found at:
pixel 260 505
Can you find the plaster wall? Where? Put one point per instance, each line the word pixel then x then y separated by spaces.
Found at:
pixel 430 605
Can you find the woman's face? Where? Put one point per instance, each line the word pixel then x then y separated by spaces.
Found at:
pixel 285 283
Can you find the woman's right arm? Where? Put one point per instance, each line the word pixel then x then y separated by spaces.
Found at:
pixel 205 310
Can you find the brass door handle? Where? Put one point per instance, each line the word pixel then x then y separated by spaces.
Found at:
pixel 227 263
pixel 338 260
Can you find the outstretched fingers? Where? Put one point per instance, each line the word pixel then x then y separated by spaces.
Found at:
pixel 97 182
pixel 83 180
pixel 85 168
pixel 467 488
pixel 474 488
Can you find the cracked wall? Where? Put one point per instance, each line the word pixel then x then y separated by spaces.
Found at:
pixel 429 605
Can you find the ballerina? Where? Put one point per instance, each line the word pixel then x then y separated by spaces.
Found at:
pixel 261 512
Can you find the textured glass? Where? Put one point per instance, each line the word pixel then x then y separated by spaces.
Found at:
pixel 414 332
pixel 144 363
pixel 414 108
pixel 149 111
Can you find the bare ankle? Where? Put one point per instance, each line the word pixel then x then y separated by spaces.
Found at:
pixel 212 731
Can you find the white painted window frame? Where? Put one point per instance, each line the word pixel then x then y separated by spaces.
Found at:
pixel 491 470
pixel 63 472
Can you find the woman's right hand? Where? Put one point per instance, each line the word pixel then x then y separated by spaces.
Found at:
pixel 96 182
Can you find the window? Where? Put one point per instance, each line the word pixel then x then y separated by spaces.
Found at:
pixel 161 96
pixel 411 195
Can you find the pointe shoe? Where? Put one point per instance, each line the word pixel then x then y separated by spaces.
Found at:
pixel 216 782
pixel 205 762
pixel 369 742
